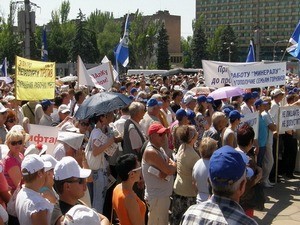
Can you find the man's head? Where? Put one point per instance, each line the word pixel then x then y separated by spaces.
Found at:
pixel 227 172
pixel 63 111
pixel 249 98
pixel 219 120
pixel 81 214
pixel 136 111
pixel 69 178
pixel 47 106
pixel 190 101
pixel 277 95
pixel 260 105
pixel 182 117
pixel 235 115
pixel 153 106
pixel 157 133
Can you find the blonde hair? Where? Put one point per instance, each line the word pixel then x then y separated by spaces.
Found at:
pixel 13 135
pixel 207 147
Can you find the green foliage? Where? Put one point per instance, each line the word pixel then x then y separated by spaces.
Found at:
pixel 162 49
pixel 228 48
pixel 64 11
pixel 186 51
pixel 199 44
pixel 97 20
pixel 215 44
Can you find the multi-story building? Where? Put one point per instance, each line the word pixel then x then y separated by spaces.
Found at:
pixel 269 22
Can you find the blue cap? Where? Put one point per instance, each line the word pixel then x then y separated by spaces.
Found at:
pixel 133 90
pixel 191 116
pixel 46 102
pixel 227 110
pixel 247 96
pixel 201 98
pixel 255 94
pixel 259 102
pixel 234 115
pixel 153 102
pixel 180 113
pixel 295 90
pixel 210 100
pixel 122 88
pixel 226 166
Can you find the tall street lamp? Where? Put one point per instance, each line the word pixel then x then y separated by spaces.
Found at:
pixel 274 45
pixel 229 49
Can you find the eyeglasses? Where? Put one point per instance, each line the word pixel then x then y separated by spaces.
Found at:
pixel 79 181
pixel 136 169
pixel 84 124
pixel 14 143
pixel 11 120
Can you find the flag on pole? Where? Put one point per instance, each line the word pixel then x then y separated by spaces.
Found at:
pixel 294 49
pixel 83 76
pixel 44 50
pixel 121 51
pixel 4 75
pixel 251 54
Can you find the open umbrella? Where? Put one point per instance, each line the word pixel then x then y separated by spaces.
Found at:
pixel 69 78
pixel 226 92
pixel 201 90
pixel 101 103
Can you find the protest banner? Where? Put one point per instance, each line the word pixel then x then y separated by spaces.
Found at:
pixel 252 120
pixel 216 73
pixel 257 75
pixel 289 118
pixel 43 134
pixel 35 80
pixel 102 75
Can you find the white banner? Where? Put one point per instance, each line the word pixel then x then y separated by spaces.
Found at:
pixel 252 120
pixel 102 76
pixel 257 75
pixel 289 118
pixel 43 134
pixel 216 73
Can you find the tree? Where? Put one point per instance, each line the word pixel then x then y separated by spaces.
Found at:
pixel 162 49
pixel 97 20
pixel 215 44
pixel 186 51
pixel 84 43
pixel 64 11
pixel 199 44
pixel 228 46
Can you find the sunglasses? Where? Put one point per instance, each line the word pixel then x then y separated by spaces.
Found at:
pixel 10 120
pixel 136 169
pixel 84 124
pixel 14 143
pixel 79 181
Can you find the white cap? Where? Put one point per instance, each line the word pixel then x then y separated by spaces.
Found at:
pixel 37 149
pixel 2 108
pixel 63 108
pixel 276 92
pixel 9 98
pixel 81 214
pixel 33 163
pixel 72 139
pixel 188 98
pixel 51 159
pixel 68 167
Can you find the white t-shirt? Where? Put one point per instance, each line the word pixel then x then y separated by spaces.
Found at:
pixel 29 202
pixel 200 175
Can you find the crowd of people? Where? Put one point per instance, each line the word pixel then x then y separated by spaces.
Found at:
pixel 173 156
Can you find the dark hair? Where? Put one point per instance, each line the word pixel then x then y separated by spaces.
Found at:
pixel 77 95
pixel 57 101
pixel 30 177
pixel 245 134
pixel 125 164
pixel 176 93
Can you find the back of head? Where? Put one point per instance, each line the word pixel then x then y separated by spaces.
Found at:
pixel 245 135
pixel 125 164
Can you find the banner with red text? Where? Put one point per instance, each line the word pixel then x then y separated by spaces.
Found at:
pixel 102 76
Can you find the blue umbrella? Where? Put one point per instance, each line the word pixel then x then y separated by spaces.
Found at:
pixel 101 103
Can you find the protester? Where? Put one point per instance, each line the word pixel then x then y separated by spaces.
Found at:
pixel 227 176
pixel 11 119
pixel 129 208
pixel 158 170
pixel 46 119
pixel 31 207
pixel 247 105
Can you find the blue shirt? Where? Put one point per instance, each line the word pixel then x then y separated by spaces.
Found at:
pixel 262 132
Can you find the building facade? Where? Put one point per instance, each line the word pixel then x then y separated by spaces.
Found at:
pixel 269 22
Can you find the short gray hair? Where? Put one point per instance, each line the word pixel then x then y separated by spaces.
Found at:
pixel 135 107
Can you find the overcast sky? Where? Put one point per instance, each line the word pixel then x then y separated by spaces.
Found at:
pixel 185 9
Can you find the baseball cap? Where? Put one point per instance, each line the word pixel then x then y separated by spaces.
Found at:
pixel 180 113
pixel 210 100
pixel 2 108
pixel 133 90
pixel 191 116
pixel 122 88
pixel 153 102
pixel 201 98
pixel 188 98
pixel 276 92
pixel 68 167
pixel 63 108
pixel 259 102
pixel 255 94
pixel 46 102
pixel 157 128
pixel 81 214
pixel 247 96
pixel 51 159
pixel 227 110
pixel 37 149
pixel 226 166
pixel 234 114
pixel 72 139
pixel 33 163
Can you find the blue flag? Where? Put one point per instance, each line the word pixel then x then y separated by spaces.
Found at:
pixel 4 68
pixel 294 49
pixel 44 50
pixel 121 51
pixel 251 54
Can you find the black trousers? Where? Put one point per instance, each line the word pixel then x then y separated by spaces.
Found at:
pixel 289 154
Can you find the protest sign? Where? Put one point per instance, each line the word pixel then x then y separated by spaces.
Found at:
pixel 289 118
pixel 216 73
pixel 252 120
pixel 35 80
pixel 102 75
pixel 257 75
pixel 43 134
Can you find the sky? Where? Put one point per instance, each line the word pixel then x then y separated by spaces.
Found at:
pixel 183 8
